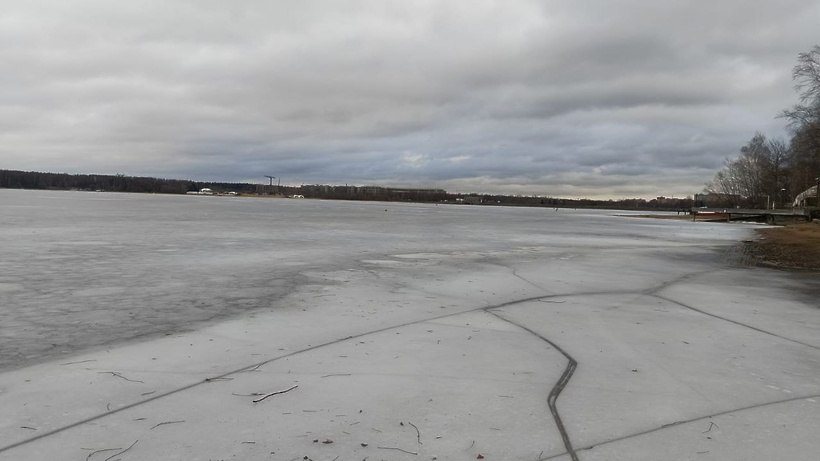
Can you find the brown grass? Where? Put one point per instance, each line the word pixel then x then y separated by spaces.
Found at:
pixel 795 246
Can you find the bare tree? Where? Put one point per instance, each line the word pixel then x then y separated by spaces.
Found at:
pixel 804 120
pixel 777 182
pixel 757 176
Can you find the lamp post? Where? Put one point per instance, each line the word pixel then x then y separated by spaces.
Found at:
pixel 270 186
pixel 783 197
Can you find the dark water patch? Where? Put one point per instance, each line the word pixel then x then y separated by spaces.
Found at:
pixel 45 327
pixel 740 254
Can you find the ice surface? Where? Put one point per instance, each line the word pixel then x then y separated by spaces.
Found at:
pixel 120 311
pixel 83 269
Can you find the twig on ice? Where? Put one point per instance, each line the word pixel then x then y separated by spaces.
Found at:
pixel 418 434
pixel 117 454
pixel 711 425
pixel 100 451
pixel 256 368
pixel 81 361
pixel 399 449
pixel 121 376
pixel 166 422
pixel 275 393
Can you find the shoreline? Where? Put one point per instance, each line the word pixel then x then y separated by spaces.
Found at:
pixel 794 247
pixel 791 246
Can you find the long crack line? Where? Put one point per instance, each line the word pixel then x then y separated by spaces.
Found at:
pixel 271 360
pixel 685 421
pixel 726 319
pixel 572 364
pixel 552 398
pixel 260 364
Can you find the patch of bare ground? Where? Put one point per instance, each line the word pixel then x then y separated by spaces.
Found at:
pixel 795 246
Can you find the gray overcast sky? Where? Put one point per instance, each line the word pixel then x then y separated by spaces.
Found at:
pixel 566 98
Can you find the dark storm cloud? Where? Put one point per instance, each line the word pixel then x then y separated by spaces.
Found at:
pixel 588 98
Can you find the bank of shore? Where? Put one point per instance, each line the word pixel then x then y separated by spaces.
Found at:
pixel 794 246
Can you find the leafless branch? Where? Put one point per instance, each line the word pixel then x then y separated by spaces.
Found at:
pixel 118 375
pixel 418 433
pixel 81 361
pixel 276 393
pixel 399 449
pixel 256 368
pixel 87 458
pixel 167 422
pixel 711 425
pixel 117 454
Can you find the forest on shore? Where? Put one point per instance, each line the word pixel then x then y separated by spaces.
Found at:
pixel 772 170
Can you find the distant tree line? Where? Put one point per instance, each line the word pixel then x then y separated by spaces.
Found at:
pixel 659 203
pixel 773 171
pixel 15 179
pixel 378 193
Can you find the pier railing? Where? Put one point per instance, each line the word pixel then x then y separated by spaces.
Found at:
pixel 749 214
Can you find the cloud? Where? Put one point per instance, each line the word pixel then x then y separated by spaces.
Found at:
pixel 552 97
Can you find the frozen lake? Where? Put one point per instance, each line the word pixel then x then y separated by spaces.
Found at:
pixel 509 333
pixel 85 269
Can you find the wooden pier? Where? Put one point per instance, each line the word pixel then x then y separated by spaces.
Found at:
pixel 750 214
